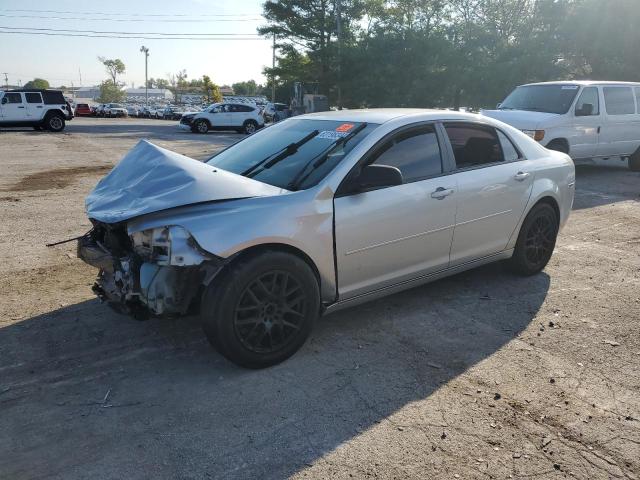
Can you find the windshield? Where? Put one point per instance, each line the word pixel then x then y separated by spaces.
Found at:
pixel 247 155
pixel 541 98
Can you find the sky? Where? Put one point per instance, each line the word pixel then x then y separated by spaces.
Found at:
pixel 63 60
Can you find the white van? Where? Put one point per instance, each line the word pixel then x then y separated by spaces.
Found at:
pixel 585 119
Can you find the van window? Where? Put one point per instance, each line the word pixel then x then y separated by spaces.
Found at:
pixel 33 97
pixel 589 96
pixel 541 98
pixel 416 153
pixel 637 89
pixel 619 100
pixel 474 145
pixel 13 97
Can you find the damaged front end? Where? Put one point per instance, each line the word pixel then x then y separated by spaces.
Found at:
pixel 158 271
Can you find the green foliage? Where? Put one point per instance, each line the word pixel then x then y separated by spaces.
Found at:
pixel 110 93
pixel 210 90
pixel 39 83
pixel 436 53
pixel 250 88
pixel 114 68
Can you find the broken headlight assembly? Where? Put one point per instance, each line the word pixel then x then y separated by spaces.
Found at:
pixel 171 245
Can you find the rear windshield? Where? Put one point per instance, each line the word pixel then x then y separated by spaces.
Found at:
pixel 541 98
pixel 296 170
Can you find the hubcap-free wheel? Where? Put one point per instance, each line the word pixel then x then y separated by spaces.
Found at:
pixel 202 127
pixel 55 123
pixel 270 312
pixel 540 240
pixel 250 128
pixel 536 240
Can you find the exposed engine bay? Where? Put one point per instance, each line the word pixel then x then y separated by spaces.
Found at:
pixel 159 271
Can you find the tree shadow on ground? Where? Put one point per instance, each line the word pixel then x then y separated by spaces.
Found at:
pixel 86 393
pixel 623 185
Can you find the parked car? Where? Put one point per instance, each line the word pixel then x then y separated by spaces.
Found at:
pixel 133 110
pixel 318 213
pixel 170 113
pixel 224 116
pixel 40 109
pixel 276 111
pixel 100 110
pixel 584 119
pixel 83 110
pixel 114 110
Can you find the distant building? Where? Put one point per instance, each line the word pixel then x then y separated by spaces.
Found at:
pixel 135 94
pixel 87 93
pixel 226 90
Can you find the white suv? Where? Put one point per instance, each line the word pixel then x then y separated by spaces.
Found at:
pixel 224 116
pixel 114 110
pixel 40 109
pixel 585 119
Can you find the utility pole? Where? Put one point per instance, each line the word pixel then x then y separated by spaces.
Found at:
pixel 6 80
pixel 145 50
pixel 273 75
pixel 80 75
pixel 339 32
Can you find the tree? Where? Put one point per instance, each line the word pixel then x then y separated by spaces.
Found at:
pixel 250 88
pixel 39 83
pixel 114 68
pixel 110 93
pixel 210 90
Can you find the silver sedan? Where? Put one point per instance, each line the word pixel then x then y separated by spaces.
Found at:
pixel 318 213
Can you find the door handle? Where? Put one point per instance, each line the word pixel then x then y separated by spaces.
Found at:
pixel 598 129
pixel 441 192
pixel 21 106
pixel 521 176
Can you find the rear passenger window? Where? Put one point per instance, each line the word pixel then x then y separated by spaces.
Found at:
pixel 474 145
pixel 33 97
pixel 619 100
pixel 416 153
pixel 244 108
pixel 509 151
pixel 13 97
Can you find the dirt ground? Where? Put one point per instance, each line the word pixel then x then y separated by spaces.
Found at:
pixel 482 375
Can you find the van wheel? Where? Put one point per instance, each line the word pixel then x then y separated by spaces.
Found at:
pixel 200 126
pixel 55 122
pixel 634 162
pixel 559 146
pixel 262 309
pixel 536 240
pixel 250 127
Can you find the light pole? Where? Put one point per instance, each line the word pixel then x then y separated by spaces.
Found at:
pixel 145 50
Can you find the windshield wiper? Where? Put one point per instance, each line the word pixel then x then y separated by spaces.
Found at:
pixel 270 160
pixel 318 160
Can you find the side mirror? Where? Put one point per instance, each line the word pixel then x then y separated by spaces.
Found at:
pixel 585 111
pixel 4 100
pixel 373 177
pixel 498 106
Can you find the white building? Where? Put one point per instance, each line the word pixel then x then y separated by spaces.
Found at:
pixel 136 94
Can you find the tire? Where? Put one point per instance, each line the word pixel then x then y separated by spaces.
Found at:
pixel 250 127
pixel 558 146
pixel 634 162
pixel 54 122
pixel 201 126
pixel 249 317
pixel 536 240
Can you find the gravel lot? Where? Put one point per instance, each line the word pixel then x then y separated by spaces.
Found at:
pixel 482 375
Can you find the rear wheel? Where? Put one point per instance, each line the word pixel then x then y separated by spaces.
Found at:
pixel 261 311
pixel 250 127
pixel 55 122
pixel 536 240
pixel 200 126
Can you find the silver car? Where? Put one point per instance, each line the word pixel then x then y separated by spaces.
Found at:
pixel 318 213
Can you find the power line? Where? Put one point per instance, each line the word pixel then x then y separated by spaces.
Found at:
pixel 131 37
pixel 46 17
pixel 137 14
pixel 131 33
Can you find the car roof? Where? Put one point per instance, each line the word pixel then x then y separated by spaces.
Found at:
pixel 382 115
pixel 584 83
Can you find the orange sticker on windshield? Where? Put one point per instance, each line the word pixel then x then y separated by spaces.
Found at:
pixel 345 127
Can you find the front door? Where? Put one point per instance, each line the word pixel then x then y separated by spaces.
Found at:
pixel 392 234
pixel 13 107
pixel 494 185
pixel 587 123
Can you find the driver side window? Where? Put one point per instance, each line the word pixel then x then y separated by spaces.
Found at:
pixel 416 153
pixel 588 104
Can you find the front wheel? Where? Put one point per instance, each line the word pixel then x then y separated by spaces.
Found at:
pixel 55 123
pixel 201 126
pixel 536 240
pixel 250 127
pixel 261 311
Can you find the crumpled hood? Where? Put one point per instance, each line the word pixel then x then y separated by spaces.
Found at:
pixel 521 119
pixel 150 179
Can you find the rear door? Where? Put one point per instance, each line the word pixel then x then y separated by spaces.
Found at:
pixel 394 234
pixel 35 105
pixel 587 124
pixel 620 131
pixel 494 185
pixel 14 108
